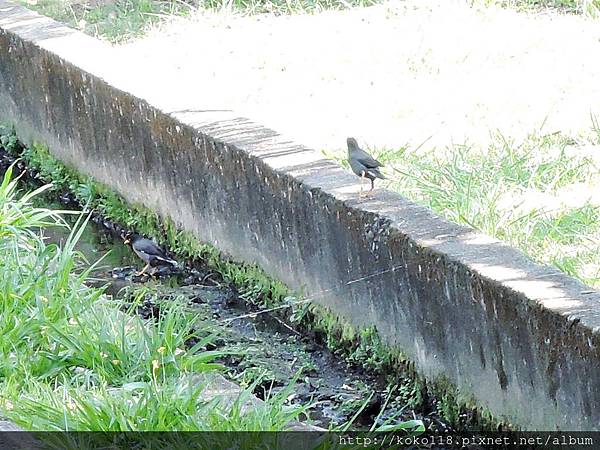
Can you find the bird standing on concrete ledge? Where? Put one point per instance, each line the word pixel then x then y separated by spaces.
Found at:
pixel 148 251
pixel 363 164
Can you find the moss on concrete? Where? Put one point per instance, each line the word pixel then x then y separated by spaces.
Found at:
pixel 363 347
pixel 252 283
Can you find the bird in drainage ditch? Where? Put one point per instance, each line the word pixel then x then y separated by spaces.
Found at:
pixel 148 251
pixel 363 164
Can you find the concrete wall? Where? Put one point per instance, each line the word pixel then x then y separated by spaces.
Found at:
pixel 523 339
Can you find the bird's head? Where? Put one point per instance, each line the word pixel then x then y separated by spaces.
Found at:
pixel 352 144
pixel 128 238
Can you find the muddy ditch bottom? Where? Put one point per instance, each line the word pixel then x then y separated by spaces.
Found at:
pixel 260 344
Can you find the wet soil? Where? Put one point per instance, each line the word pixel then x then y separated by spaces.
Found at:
pixel 260 345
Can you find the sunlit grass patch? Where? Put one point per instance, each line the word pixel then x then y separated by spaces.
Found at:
pixel 586 7
pixel 113 20
pixel 539 195
pixel 119 21
pixel 174 403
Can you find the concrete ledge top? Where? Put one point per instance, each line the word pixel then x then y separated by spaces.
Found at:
pixel 5 425
pixel 461 304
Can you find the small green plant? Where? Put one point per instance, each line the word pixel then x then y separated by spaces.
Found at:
pixel 72 359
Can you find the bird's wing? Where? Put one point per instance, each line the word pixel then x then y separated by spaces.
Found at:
pixel 149 247
pixel 367 160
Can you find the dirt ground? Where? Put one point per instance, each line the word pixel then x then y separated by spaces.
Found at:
pixel 399 73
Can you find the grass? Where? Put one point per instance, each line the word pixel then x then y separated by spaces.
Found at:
pixel 72 359
pixel 586 7
pixel 119 21
pixel 536 195
pixel 112 20
pixel 251 282
pixel 362 347
pixel 113 373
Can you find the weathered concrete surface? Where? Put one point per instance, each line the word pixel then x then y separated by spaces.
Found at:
pixel 13 437
pixel 523 339
pixel 8 426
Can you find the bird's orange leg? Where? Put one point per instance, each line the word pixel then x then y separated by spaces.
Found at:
pixel 362 179
pixel 143 270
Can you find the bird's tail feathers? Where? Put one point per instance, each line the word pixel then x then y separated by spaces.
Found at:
pixel 168 260
pixel 376 173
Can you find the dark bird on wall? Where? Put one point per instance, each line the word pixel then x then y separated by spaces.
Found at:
pixel 363 164
pixel 148 251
